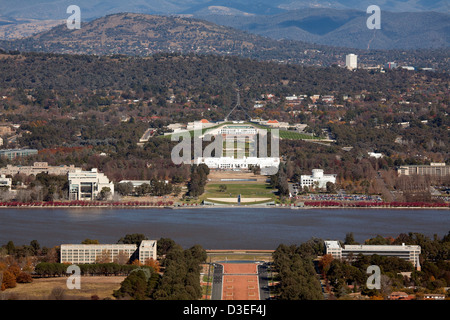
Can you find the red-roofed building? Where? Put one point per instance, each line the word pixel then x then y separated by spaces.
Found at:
pixel 398 295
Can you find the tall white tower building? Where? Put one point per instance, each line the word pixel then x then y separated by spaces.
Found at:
pixel 351 61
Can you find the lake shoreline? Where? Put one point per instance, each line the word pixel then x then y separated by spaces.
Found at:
pixel 215 206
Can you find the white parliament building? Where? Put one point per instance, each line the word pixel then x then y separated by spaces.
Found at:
pixel 232 163
pixel 243 133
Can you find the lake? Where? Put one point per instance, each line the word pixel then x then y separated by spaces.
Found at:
pixel 215 228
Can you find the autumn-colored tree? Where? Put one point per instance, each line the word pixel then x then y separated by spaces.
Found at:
pixel 24 277
pixel 324 262
pixel 15 270
pixel 153 263
pixel 9 280
pixel 136 262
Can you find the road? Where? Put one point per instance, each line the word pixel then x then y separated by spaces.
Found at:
pixel 216 291
pixel 263 276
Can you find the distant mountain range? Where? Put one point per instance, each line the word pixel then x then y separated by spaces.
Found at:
pixel 56 9
pixel 144 35
pixel 345 28
pixel 332 23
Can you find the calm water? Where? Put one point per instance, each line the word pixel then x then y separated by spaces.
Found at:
pixel 215 228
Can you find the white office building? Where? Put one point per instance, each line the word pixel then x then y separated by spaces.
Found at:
pixel 351 61
pixel 5 183
pixel 317 179
pixel 350 252
pixel 119 253
pixel 36 168
pixel 87 185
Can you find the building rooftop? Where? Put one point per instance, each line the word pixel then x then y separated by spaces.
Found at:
pixel 93 245
pixel 332 244
pixel 380 247
pixel 148 243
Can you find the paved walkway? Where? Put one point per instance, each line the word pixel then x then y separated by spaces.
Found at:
pixel 240 281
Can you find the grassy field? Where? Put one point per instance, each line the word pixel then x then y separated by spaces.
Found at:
pixel 41 288
pixel 293 135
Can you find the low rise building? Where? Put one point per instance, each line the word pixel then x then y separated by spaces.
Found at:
pixel 201 124
pixel 317 180
pixel 350 252
pixel 136 183
pixel 277 124
pixel 375 155
pixel 398 295
pixel 94 253
pixel 5 183
pixel 434 169
pixel 434 296
pixel 15 153
pixel 38 167
pixel 87 185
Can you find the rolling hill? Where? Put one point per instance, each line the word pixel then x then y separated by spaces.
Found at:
pixel 139 34
pixel 144 35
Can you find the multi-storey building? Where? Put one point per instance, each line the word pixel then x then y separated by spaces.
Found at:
pixel 350 252
pixel 94 253
pixel 87 185
pixel 351 61
pixel 434 169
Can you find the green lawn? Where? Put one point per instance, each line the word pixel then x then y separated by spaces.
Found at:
pixel 293 135
pixel 246 190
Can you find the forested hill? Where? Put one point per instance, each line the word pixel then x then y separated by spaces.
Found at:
pixel 144 35
pixel 197 74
